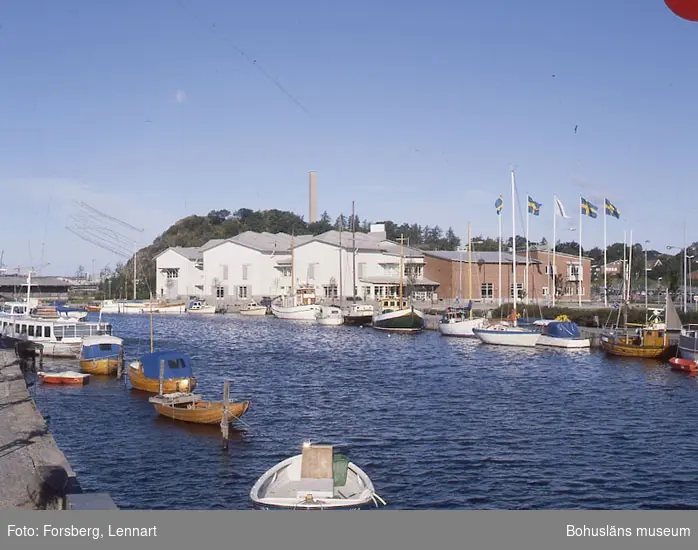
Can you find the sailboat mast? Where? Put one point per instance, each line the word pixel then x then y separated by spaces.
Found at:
pixel 353 252
pixel 513 240
pixel 470 271
pixel 402 268
pixel 341 275
pixel 293 277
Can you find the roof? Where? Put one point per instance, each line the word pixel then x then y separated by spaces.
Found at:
pixel 101 339
pixel 211 244
pixel 19 280
pixel 189 252
pixel 366 242
pixel 395 280
pixel 177 365
pixel 486 257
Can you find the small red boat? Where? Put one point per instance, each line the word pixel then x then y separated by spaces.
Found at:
pixel 69 378
pixel 684 365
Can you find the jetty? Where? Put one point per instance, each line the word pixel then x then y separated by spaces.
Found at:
pixel 34 473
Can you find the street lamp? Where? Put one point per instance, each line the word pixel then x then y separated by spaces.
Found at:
pixel 670 247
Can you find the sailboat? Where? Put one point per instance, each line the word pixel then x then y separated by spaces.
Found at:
pixel 300 304
pixel 395 313
pixel 509 334
pixel 331 315
pixel 356 314
pixel 460 321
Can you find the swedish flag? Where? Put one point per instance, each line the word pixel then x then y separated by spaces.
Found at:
pixel 499 204
pixel 533 206
pixel 589 209
pixel 611 209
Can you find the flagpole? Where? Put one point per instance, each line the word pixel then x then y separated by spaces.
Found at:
pixel 528 215
pixel 605 246
pixel 552 267
pixel 579 273
pixel 513 243
pixel 499 284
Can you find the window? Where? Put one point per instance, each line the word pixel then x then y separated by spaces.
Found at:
pixel 225 273
pixel 31 330
pixel 105 347
pixel 311 272
pixel 220 292
pixel 47 332
pixel 573 271
pixel 549 269
pixel 244 272
pixel 545 290
pixel 171 272
pixel 519 288
pixel 580 291
pixel 24 329
pixel 242 292
pixel 360 269
pixel 367 291
pixel 487 290
pixel 174 363
pixel 331 291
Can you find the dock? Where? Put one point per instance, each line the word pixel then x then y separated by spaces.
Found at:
pixel 34 473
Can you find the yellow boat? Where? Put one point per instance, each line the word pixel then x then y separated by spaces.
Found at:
pixel 101 354
pixel 643 342
pixel 188 407
pixel 144 374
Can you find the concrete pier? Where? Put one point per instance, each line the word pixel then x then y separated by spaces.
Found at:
pixel 34 473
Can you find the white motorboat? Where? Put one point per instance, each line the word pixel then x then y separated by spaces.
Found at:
pixel 507 335
pixel 253 309
pixel 301 306
pixel 458 322
pixel 330 316
pixel 317 479
pixel 561 334
pixel 200 308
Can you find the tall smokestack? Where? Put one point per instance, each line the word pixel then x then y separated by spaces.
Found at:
pixel 312 192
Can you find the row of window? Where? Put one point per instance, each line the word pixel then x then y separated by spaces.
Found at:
pixel 29 330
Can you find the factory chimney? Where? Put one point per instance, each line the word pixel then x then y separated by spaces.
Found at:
pixel 312 192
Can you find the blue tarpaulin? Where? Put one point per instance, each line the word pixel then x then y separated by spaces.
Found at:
pixel 562 329
pixel 177 365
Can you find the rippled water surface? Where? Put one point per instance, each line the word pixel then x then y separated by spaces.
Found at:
pixel 435 422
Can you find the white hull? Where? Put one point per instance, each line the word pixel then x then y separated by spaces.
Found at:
pixel 568 343
pixel 462 327
pixel 254 312
pixel 206 310
pixel 156 309
pixel 68 350
pixel 296 313
pixel 330 321
pixel 508 336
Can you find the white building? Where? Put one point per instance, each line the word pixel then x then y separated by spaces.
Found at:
pixel 252 265
pixel 179 273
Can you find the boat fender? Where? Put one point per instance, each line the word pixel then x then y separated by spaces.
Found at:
pixel 562 317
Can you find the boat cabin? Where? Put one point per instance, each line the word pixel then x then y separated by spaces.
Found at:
pixel 392 303
pixel 453 314
pixel 176 365
pixel 102 347
pixel 305 296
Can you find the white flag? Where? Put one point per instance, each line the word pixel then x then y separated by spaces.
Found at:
pixel 559 209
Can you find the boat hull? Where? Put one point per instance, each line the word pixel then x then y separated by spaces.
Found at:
pixel 642 352
pixel 508 337
pixel 330 321
pixel 174 309
pixel 357 320
pixel 462 328
pixel 64 378
pixel 296 313
pixel 403 320
pixel 61 350
pixel 688 347
pixel 100 366
pixel 204 412
pixel 206 310
pixel 152 385
pixel 567 343
pixel 683 365
pixel 254 311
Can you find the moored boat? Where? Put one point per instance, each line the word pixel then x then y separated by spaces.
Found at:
pixel 683 365
pixel 188 407
pixel 507 335
pixel 688 342
pixel 330 316
pixel 66 378
pixel 161 307
pixel 101 354
pixel 397 315
pixel 200 308
pixel 459 322
pixel 299 306
pixel 144 374
pixel 646 342
pixel 358 315
pixel 253 309
pixel 316 479
pixel 561 334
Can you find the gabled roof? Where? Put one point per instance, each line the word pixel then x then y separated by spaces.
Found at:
pixel 213 243
pixel 189 252
pixel 485 257
pixel 366 242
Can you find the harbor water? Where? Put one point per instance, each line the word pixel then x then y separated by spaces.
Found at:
pixel 435 422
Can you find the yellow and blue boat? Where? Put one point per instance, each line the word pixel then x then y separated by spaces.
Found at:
pixel 101 354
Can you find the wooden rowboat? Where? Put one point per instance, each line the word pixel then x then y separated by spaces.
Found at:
pixel 177 376
pixel 684 365
pixel 188 407
pixel 67 378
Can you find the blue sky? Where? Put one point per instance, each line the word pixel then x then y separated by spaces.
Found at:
pixel 148 111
